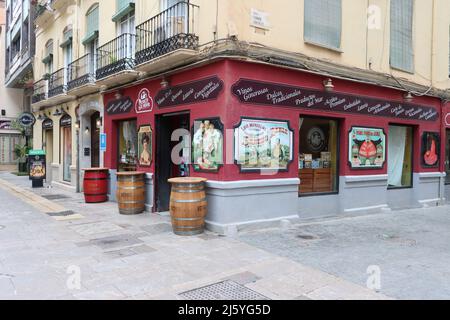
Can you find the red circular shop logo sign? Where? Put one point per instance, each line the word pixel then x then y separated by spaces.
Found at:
pixel 144 102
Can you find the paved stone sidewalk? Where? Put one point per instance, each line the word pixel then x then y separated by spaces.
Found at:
pixel 136 257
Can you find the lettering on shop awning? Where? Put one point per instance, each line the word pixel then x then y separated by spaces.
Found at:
pixel 119 106
pixel 274 94
pixel 191 92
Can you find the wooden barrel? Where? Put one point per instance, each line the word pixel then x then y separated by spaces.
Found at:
pixel 131 192
pixel 188 206
pixel 95 185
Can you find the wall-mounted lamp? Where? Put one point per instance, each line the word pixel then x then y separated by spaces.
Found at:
pixel 86 130
pixel 99 122
pixel 164 83
pixel 408 97
pixel 77 125
pixel 118 95
pixel 328 85
pixel 57 113
pixel 41 117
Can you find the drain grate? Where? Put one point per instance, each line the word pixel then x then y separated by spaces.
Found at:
pixel 307 237
pixel 61 214
pixel 55 196
pixel 226 290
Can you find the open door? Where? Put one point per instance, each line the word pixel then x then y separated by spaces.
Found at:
pixel 165 167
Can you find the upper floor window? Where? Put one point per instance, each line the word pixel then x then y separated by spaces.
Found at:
pixel 48 56
pixel 92 22
pixel 401 53
pixel 323 22
pixel 123 8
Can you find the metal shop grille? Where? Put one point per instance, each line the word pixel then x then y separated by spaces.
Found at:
pixel 226 290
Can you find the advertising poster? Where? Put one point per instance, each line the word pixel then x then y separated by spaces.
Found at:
pixel 263 144
pixel 367 148
pixel 207 145
pixel 37 165
pixel 145 146
pixel 431 146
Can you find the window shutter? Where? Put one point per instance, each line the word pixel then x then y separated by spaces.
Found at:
pixel 323 22
pixel 92 21
pixel 401 53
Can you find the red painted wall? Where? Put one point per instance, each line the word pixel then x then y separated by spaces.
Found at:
pixel 230 110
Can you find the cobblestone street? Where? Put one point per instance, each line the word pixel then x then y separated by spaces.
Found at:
pixel 42 251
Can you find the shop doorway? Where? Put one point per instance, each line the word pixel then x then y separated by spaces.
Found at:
pixel 47 146
pixel 165 167
pixel 95 140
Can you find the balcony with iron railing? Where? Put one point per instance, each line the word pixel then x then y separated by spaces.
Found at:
pixel 57 83
pixel 39 91
pixel 43 12
pixel 116 58
pixel 81 74
pixel 174 29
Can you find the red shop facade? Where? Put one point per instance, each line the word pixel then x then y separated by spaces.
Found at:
pixel 277 144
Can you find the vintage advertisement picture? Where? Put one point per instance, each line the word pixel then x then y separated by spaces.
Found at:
pixel 263 144
pixel 367 148
pixel 431 146
pixel 145 146
pixel 207 145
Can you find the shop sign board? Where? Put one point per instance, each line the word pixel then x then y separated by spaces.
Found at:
pixel 431 146
pixel 275 94
pixel 207 145
pixel 144 102
pixel 5 125
pixel 103 142
pixel 367 148
pixel 263 145
pixel 27 119
pixel 447 120
pixel 47 124
pixel 37 165
pixel 191 92
pixel 119 106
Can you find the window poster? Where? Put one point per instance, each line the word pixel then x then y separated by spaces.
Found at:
pixel 263 144
pixel 367 148
pixel 431 146
pixel 207 145
pixel 145 146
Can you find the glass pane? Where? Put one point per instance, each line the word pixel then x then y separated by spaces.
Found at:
pixel 318 156
pixel 401 52
pixel 400 157
pixel 127 146
pixel 323 20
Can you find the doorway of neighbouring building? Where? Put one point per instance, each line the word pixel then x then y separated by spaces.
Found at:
pixel 48 148
pixel 95 139
pixel 166 167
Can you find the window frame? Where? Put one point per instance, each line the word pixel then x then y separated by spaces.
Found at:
pixel 338 157
pixel 413 131
pixel 317 43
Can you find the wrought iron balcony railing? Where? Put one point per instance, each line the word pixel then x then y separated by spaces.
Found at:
pixel 116 56
pixel 43 6
pixel 57 83
pixel 81 71
pixel 39 91
pixel 172 29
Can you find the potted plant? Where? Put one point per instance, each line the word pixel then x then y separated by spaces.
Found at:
pixel 21 152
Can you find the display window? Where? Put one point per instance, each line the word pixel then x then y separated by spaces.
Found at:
pixel 447 157
pixel 128 146
pixel 318 156
pixel 400 157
